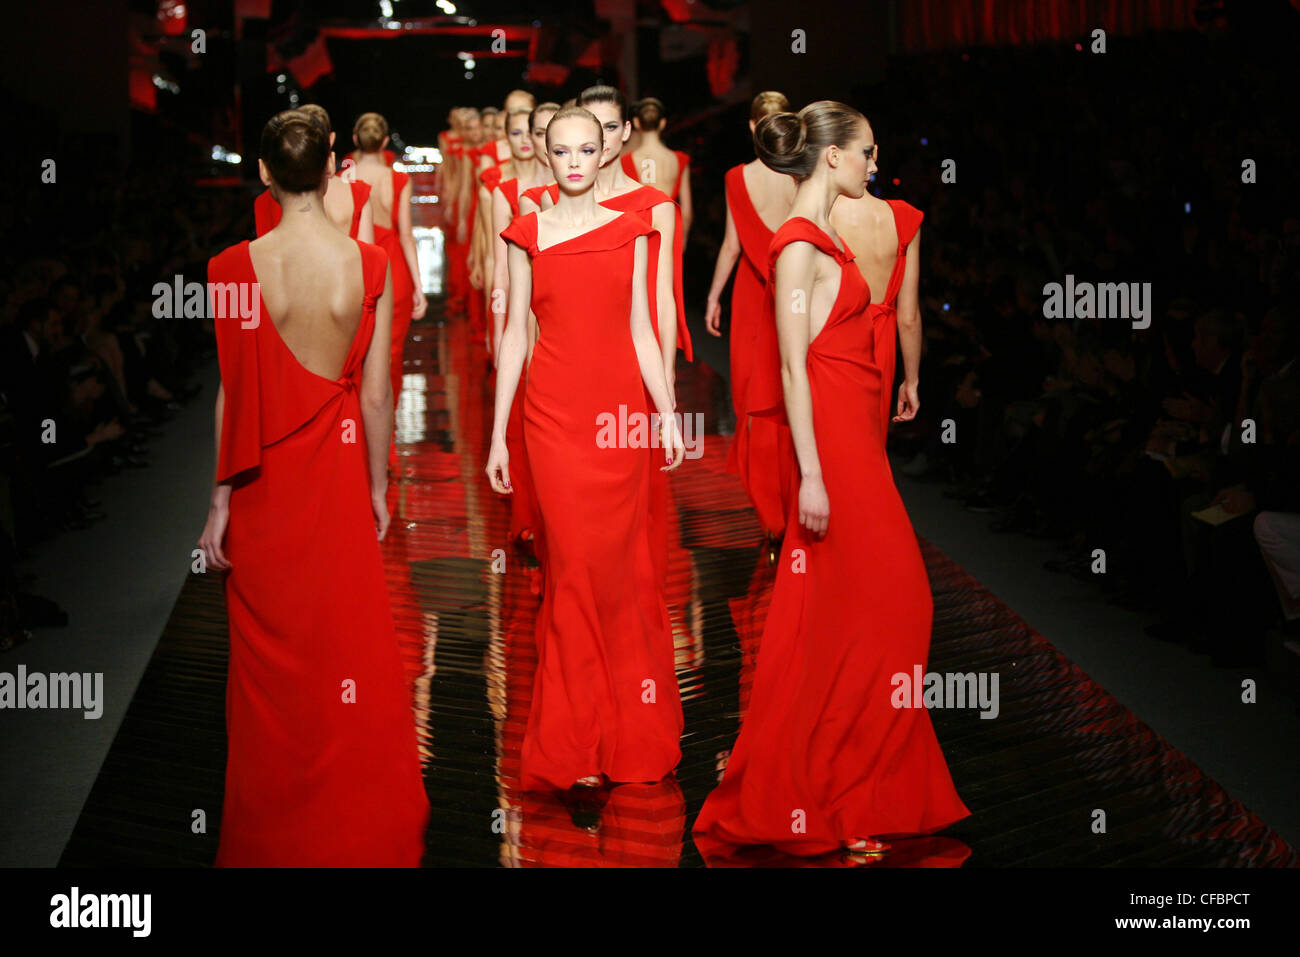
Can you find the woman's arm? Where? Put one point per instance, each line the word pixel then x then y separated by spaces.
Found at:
pixel 500 270
pixel 664 219
pixel 480 265
pixel 648 356
pixel 684 201
pixel 728 256
pixel 796 273
pixel 214 529
pixel 909 332
pixel 409 252
pixel 376 398
pixel 510 364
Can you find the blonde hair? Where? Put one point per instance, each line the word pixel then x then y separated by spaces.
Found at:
pixel 769 101
pixel 370 130
pixel 318 111
pixel 575 111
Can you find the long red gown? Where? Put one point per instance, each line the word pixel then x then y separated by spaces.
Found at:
pixel 605 698
pixel 822 744
pixel 403 285
pixel 267 212
pixel 312 779
pixel 762 453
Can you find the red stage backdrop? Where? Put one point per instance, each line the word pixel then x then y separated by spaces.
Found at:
pixel 937 24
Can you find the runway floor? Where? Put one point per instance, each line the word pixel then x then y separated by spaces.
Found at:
pixel 1060 749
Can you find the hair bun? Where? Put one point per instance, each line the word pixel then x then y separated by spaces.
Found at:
pixel 792 143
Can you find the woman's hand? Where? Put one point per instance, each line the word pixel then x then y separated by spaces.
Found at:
pixel 670 440
pixel 418 304
pixel 214 532
pixel 379 505
pixel 908 402
pixel 498 468
pixel 476 275
pixel 713 317
pixel 814 506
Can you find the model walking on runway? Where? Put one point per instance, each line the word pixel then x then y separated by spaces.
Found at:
pixel 322 766
pixel 653 163
pixel 758 201
pixel 825 759
pixel 390 195
pixel 605 702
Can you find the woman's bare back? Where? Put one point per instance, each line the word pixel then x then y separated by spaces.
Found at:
pixel 313 286
pixel 372 170
pixel 656 165
pixel 867 226
pixel 772 193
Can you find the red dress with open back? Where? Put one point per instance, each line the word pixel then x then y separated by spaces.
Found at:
pixel 824 757
pixel 390 239
pixel 322 766
pixel 884 314
pixel 267 212
pixel 605 698
pixel 683 162
pixel 761 449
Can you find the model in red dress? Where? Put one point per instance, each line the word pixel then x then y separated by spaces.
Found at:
pixel 506 201
pixel 391 198
pixel 605 699
pixel 761 453
pixel 322 766
pixel 650 155
pixel 824 759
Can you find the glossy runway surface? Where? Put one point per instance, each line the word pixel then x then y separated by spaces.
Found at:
pixel 465 601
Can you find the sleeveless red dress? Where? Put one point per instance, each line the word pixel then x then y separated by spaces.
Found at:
pixel 267 212
pixel 884 314
pixel 761 450
pixel 455 252
pixel 403 285
pixel 605 698
pixel 535 194
pixel 683 162
pixel 509 188
pixel 312 779
pixel 822 735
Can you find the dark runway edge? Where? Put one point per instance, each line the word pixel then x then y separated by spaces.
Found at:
pixel 464 601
